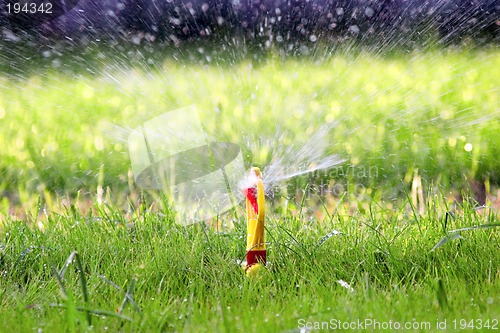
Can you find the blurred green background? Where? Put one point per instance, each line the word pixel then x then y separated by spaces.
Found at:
pixel 64 121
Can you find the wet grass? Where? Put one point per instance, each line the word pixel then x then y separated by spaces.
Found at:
pixel 82 248
pixel 77 273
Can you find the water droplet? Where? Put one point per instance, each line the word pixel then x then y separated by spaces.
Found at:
pixel 56 63
pixel 369 12
pixel 10 36
pixel 354 29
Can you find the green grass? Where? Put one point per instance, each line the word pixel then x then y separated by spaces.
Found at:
pixel 134 269
pixel 187 278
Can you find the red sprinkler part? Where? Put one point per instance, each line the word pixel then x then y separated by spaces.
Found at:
pixel 251 194
pixel 256 256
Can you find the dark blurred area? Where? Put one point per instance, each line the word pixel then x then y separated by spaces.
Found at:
pixel 262 23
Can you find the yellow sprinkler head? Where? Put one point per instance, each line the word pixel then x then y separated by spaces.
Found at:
pixel 253 271
pixel 256 212
pixel 256 171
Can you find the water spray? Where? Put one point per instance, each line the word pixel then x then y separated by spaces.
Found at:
pixel 199 174
pixel 205 178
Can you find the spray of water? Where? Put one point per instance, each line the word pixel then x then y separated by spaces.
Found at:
pixel 195 183
pixel 296 160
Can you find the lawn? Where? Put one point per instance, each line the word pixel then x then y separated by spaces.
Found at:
pixel 368 242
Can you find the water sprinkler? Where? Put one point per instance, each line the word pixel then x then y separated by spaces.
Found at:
pixel 256 213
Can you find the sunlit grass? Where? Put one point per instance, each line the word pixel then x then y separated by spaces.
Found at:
pixel 423 122
pixel 188 278
pixel 435 112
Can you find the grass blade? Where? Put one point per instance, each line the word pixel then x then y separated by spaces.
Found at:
pixel 441 295
pixel 129 298
pixel 66 264
pixel 83 282
pixel 128 294
pixel 328 236
pixel 59 279
pixel 475 227
pixel 111 283
pixel 446 239
pixel 94 311
pixel 454 234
